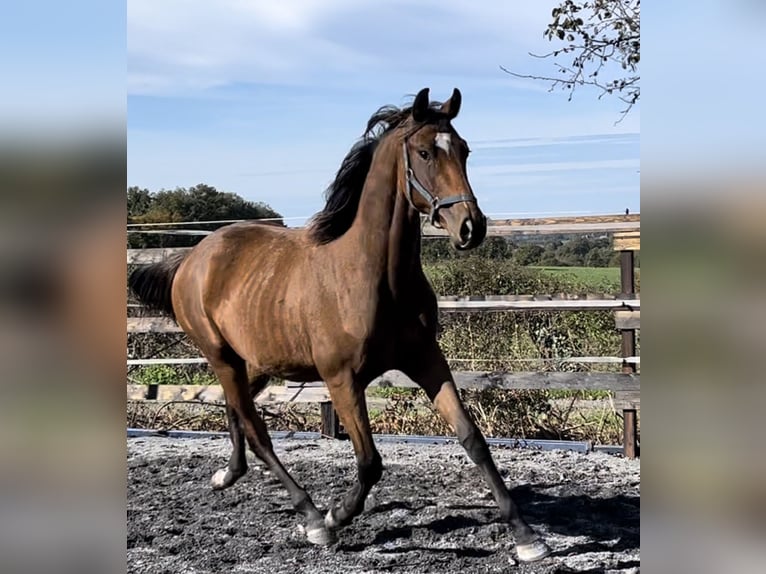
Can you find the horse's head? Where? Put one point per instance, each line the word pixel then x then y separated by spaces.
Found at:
pixel 435 179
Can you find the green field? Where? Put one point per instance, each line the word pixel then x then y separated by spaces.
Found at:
pixel 602 278
pixel 585 273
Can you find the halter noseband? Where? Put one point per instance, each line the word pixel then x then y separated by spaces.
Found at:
pixel 412 182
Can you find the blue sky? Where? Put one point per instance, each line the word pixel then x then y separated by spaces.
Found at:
pixel 265 98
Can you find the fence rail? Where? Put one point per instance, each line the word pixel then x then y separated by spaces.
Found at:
pixel 160 324
pixel 317 391
pixel 628 225
pixel 562 360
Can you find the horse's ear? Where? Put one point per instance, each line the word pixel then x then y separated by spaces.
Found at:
pixel 452 106
pixel 420 106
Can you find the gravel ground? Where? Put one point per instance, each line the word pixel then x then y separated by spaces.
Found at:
pixel 431 512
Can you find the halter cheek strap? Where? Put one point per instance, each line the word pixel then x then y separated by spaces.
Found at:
pixel 413 183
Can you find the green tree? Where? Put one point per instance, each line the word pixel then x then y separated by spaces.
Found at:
pixel 574 252
pixel 548 259
pixel 139 201
pixel 436 249
pixel 494 247
pixel 440 248
pixel 199 203
pixel 528 254
pixel 598 257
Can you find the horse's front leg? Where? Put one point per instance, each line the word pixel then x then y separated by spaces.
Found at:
pixel 350 403
pixel 425 364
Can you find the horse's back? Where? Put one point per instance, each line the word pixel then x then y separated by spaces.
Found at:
pixel 237 260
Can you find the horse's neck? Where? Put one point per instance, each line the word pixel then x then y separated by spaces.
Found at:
pixel 385 228
pixel 403 248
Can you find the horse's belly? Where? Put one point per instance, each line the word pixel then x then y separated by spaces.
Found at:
pixel 277 355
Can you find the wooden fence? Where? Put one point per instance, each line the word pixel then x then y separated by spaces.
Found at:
pixel 626 307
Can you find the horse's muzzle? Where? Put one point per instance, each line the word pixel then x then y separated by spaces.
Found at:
pixel 466 225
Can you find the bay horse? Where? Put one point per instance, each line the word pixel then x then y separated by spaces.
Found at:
pixel 342 300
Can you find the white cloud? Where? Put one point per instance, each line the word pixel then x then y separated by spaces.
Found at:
pixel 581 117
pixel 179 45
pixel 503 170
pixel 629 139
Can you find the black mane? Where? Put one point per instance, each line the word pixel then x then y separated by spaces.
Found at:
pixel 343 193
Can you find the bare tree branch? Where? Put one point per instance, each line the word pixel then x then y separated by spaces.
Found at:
pixel 604 39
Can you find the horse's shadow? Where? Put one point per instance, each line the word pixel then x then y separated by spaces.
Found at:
pixel 610 524
pixel 601 520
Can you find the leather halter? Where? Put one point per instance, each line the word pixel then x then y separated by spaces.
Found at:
pixel 412 182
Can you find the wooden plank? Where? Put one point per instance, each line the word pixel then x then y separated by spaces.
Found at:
pixel 570 219
pixel 595 223
pixel 548 220
pixel 627 241
pixel 547 381
pixel 495 229
pixel 281 394
pixel 627 274
pixel 214 394
pixel 330 423
pixel 203 393
pixel 152 325
pixel 625 386
pixel 168 361
pixel 617 224
pixel 630 433
pixel 202 360
pixel 627 400
pixel 137 392
pixel 627 319
pixel 193 232
pixel 449 305
pixel 146 256
pixel 545 301
pixel 482 380
pixel 532 380
pixel 549 305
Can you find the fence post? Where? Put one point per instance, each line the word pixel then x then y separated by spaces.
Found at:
pixel 628 284
pixel 330 423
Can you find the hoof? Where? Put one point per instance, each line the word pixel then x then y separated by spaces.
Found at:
pixel 219 482
pixel 320 536
pixel 223 478
pixel 533 551
pixel 330 522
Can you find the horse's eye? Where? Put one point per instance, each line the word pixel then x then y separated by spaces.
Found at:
pixel 424 154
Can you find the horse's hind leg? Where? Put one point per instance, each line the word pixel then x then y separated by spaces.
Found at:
pixel 427 366
pixel 232 374
pixel 350 404
pixel 237 466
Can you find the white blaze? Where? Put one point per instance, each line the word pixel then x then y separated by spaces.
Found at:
pixel 444 141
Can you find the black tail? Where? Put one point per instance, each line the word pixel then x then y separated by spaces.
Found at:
pixel 152 284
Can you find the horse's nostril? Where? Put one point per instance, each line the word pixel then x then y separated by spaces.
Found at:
pixel 466 230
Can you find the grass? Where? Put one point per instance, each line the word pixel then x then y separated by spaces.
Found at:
pixel 396 392
pixel 172 375
pixel 596 278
